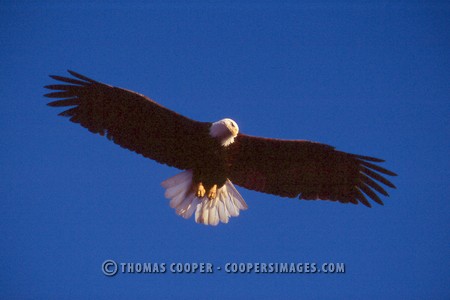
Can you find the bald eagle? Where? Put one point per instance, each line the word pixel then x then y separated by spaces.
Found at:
pixel 215 155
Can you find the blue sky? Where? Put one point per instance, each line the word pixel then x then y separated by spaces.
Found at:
pixel 368 78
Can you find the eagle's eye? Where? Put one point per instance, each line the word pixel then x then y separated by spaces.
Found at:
pixel 232 124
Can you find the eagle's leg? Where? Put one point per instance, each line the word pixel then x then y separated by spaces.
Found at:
pixel 212 192
pixel 199 190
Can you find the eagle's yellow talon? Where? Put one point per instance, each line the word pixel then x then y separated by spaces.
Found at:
pixel 212 192
pixel 200 190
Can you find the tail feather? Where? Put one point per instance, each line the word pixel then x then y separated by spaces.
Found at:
pixel 190 209
pixel 223 212
pixel 177 184
pixel 177 200
pixel 213 216
pixel 237 198
pixel 227 204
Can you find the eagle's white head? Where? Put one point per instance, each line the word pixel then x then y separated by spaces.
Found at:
pixel 225 130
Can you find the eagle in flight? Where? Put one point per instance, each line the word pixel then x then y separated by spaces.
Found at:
pixel 214 156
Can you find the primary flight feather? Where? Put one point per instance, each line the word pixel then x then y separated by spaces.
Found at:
pixel 215 155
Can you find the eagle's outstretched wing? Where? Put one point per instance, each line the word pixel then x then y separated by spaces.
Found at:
pixel 306 170
pixel 131 120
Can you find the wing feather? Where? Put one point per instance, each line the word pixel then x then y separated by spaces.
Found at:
pixel 377 177
pixel 68 80
pixel 377 168
pixel 307 170
pixel 367 180
pixel 131 120
pixel 361 198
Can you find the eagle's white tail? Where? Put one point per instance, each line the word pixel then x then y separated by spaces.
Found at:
pixel 227 204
